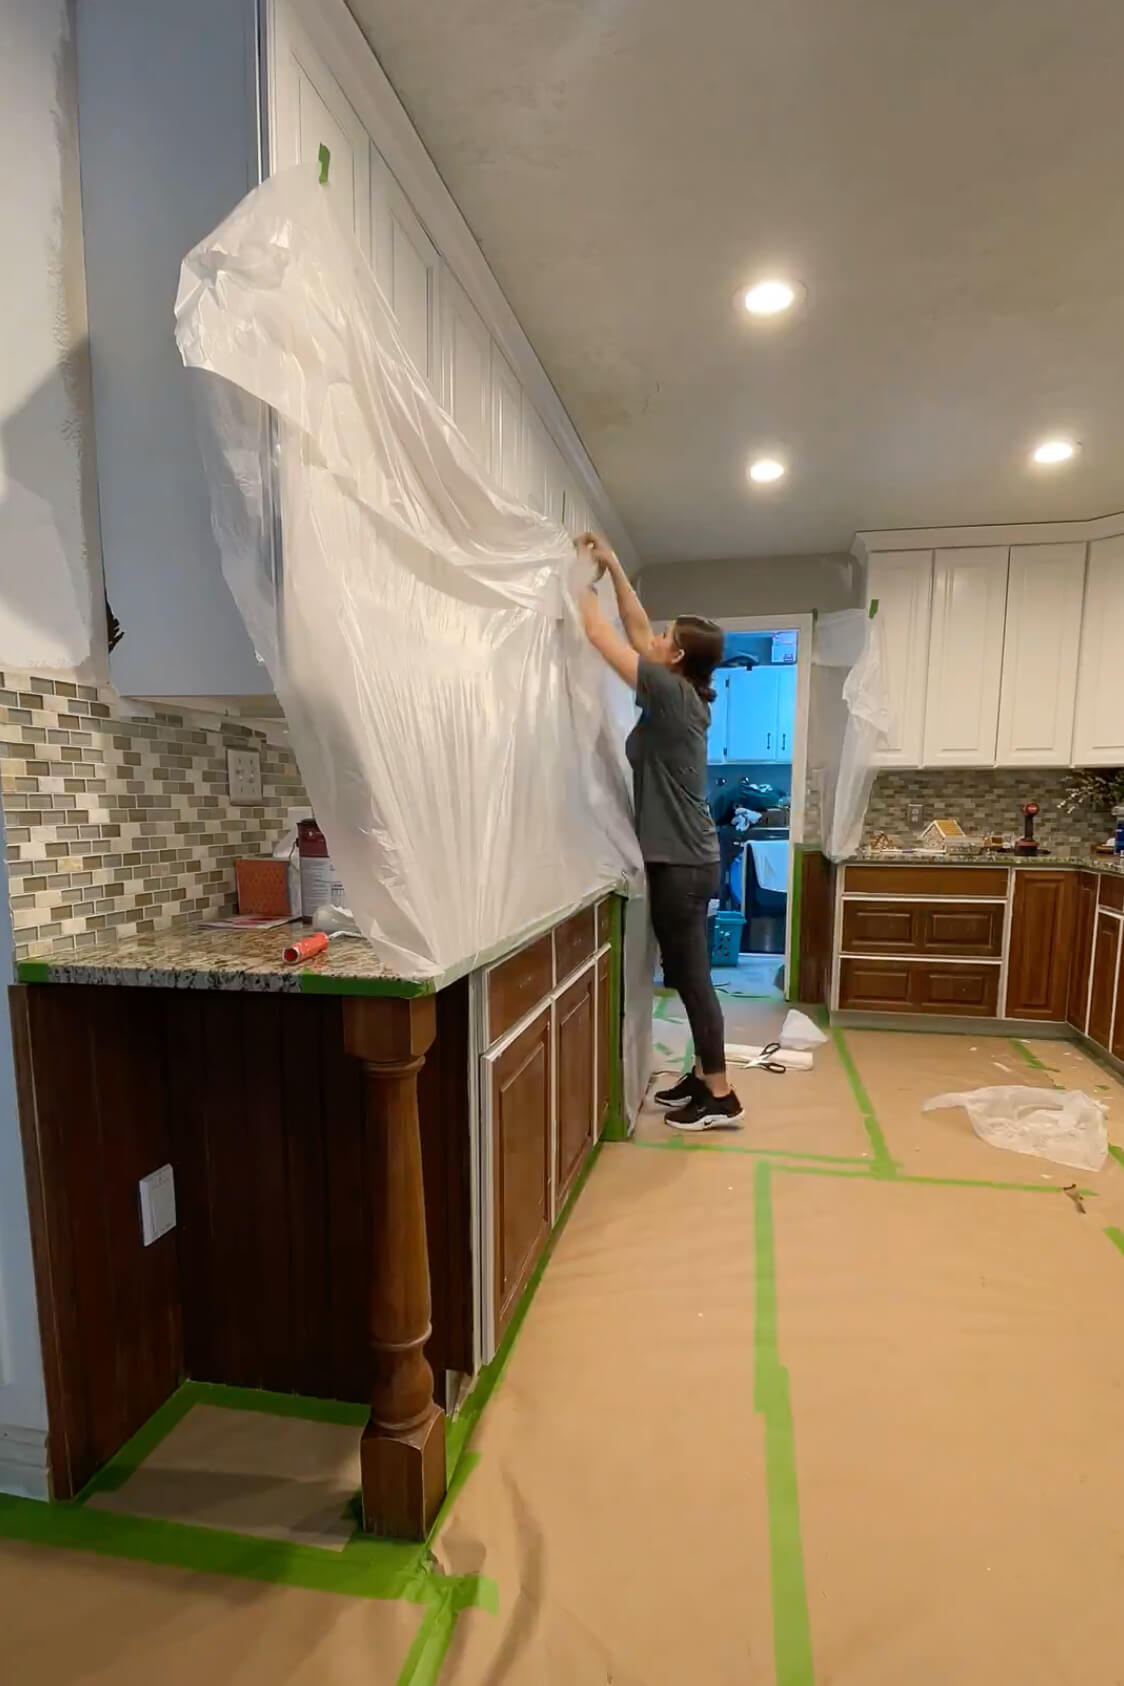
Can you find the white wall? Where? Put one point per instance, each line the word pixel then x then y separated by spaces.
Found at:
pixel 765 585
pixel 48 553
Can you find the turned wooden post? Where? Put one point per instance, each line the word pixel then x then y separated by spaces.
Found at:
pixel 403 1448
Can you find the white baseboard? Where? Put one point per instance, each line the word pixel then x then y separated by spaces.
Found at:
pixel 23 1462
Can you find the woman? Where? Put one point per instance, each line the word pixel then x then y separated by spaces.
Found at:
pixel 670 674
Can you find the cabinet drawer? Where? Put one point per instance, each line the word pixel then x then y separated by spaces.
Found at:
pixel 969 928
pixel 517 983
pixel 959 989
pixel 573 942
pixel 878 880
pixel 1112 891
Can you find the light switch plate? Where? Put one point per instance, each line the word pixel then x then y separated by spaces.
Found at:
pixel 157 1204
pixel 243 775
pixel 915 815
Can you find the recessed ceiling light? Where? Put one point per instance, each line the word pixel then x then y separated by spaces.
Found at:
pixel 769 298
pixel 765 469
pixel 1054 451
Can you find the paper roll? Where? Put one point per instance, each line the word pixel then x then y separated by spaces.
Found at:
pixel 793 1059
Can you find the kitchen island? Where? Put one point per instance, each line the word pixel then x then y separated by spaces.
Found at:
pixel 983 942
pixel 366 1172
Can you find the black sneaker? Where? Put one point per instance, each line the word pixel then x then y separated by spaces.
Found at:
pixel 685 1090
pixel 707 1112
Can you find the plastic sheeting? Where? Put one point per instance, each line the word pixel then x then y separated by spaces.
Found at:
pixel 852 730
pixel 458 736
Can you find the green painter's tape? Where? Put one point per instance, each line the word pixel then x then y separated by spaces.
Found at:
pixel 1117 1153
pixel 792 1631
pixel 883 1165
pixel 707 1144
pixel 797 909
pixel 1116 1236
pixel 431 1642
pixel 33 971
pixel 1030 1057
pixel 400 989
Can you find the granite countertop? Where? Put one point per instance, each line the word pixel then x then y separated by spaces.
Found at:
pixel 195 957
pixel 986 857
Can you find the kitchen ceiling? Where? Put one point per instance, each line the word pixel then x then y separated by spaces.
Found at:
pixel 944 179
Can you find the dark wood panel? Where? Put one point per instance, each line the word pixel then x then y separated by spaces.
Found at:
pixel 521 1082
pixel 953 928
pixel 519 983
pixel 937 880
pixel 956 988
pixel 1106 955
pixel 263 1282
pixel 1084 919
pixel 604 921
pixel 1117 1044
pixel 1041 946
pixel 817 902
pixel 605 1052
pixel 1112 891
pixel 574 1025
pixel 574 941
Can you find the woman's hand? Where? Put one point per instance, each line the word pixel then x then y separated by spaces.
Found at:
pixel 598 551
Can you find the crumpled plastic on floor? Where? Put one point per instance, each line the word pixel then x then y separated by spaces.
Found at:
pixel 1064 1125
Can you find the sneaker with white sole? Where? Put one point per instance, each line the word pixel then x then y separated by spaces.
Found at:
pixel 685 1090
pixel 707 1112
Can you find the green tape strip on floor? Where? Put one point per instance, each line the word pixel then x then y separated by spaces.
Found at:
pixel 792 1631
pixel 1116 1236
pixel 1030 1057
pixel 883 1164
pixel 678 1143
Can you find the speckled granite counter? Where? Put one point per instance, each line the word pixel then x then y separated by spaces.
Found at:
pixel 193 958
pixel 923 857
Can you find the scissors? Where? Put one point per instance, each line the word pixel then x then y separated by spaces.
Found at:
pixel 764 1060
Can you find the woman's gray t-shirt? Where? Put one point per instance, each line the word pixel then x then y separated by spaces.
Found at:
pixel 667 752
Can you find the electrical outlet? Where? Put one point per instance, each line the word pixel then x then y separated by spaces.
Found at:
pixel 243 775
pixel 157 1204
pixel 915 815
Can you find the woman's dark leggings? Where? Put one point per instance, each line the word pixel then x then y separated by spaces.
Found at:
pixel 678 898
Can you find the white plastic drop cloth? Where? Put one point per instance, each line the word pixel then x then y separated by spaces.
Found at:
pixel 1065 1125
pixel 458 737
pixel 850 724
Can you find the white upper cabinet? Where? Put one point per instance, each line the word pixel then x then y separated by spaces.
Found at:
pixel 965 657
pixel 1098 735
pixel 466 354
pixel 1045 588
pixel 543 471
pixel 719 714
pixel 312 112
pixel 507 428
pixel 755 726
pixel 786 710
pixel 902 583
pixel 408 269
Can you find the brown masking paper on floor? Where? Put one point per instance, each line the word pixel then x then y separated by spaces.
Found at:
pixel 70 1619
pixel 619 1500
pixel 280 1478
pixel 802 1112
pixel 902 1069
pixel 957 1380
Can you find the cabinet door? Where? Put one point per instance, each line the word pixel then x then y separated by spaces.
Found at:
pixel 575 511
pixel 719 715
pixel 576 1081
pixel 466 358
pixel 902 581
pixel 956 989
pixel 543 470
pixel 1084 920
pixel 786 711
pixel 507 427
pixel 406 264
pixel 604 1040
pixel 965 657
pixel 313 112
pixel 521 1094
pixel 1041 945
pixel 1098 736
pixel 751 728
pixel 1045 588
pixel 1102 991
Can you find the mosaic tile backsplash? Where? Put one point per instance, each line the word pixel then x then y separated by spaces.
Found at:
pixel 120 826
pixel 983 800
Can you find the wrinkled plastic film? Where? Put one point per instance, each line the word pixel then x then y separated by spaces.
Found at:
pixel 852 719
pixel 461 743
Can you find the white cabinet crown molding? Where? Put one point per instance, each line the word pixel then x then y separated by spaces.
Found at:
pixel 868 544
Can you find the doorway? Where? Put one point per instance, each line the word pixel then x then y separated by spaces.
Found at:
pixel 756 759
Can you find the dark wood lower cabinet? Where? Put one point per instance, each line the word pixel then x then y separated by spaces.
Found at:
pixel 1106 960
pixel 604 1040
pixel 920 928
pixel 521 1101
pixel 1041 945
pixel 1117 1045
pixel 1084 923
pixel 576 1079
pixel 919 986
